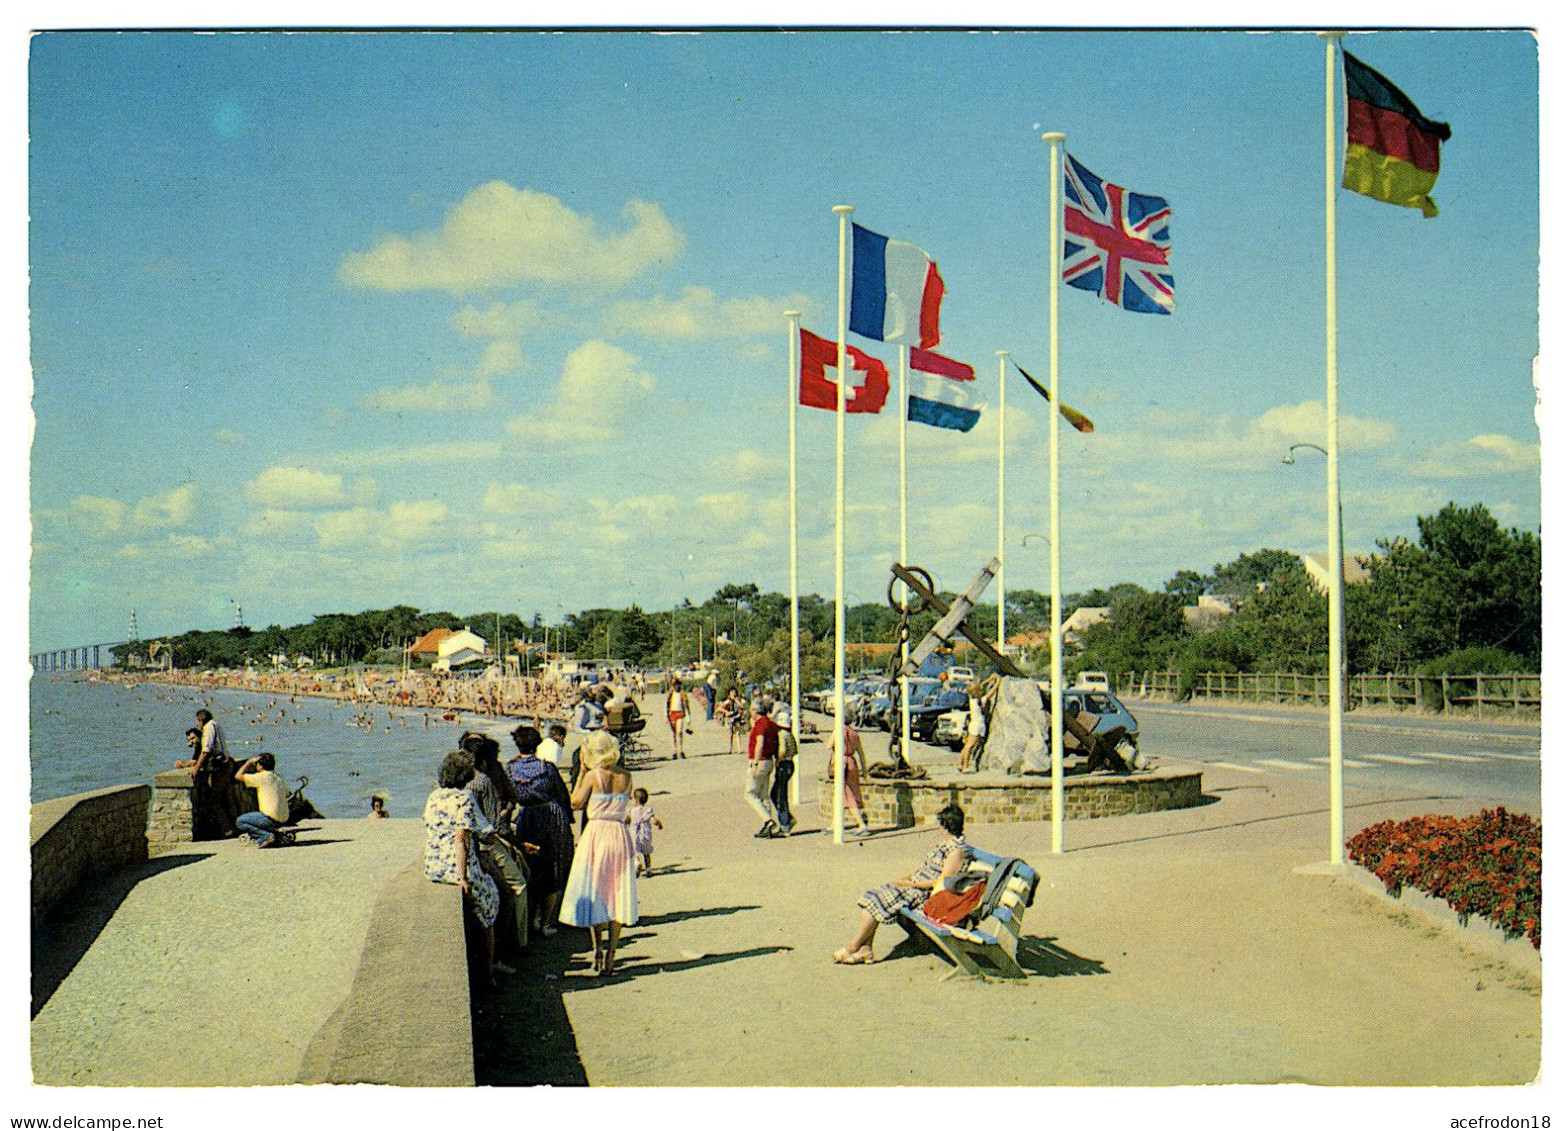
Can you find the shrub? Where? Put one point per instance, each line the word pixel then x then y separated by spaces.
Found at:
pixel 1486 865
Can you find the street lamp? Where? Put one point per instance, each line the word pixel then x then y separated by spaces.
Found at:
pixel 1338 685
pixel 1289 456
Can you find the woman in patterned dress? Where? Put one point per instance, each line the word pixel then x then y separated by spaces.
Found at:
pixel 601 893
pixel 882 904
pixel 453 824
pixel 543 820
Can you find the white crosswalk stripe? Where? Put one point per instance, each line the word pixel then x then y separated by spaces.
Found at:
pixel 1485 754
pixel 1233 766
pixel 1397 760
pixel 1281 764
pixel 1350 764
pixel 1446 757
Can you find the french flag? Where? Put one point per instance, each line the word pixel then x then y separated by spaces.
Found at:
pixel 941 392
pixel 895 290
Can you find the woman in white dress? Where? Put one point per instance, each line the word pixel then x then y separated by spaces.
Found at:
pixel 601 892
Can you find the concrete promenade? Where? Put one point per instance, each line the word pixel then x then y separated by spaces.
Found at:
pixel 1168 948
pixel 216 963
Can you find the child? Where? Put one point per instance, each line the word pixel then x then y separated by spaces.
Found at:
pixel 641 818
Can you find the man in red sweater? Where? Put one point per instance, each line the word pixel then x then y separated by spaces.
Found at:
pixel 763 744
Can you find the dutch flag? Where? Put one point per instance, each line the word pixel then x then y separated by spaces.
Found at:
pixel 895 290
pixel 941 392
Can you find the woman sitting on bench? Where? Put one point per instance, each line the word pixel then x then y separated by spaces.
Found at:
pixel 882 904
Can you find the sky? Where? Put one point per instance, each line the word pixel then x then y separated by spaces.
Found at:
pixel 323 322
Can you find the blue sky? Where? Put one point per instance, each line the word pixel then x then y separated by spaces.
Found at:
pixel 324 322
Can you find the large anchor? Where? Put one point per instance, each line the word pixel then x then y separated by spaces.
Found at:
pixel 952 619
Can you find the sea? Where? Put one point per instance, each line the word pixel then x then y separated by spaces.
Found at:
pixel 89 734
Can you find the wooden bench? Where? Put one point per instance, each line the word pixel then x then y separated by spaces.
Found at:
pixel 990 948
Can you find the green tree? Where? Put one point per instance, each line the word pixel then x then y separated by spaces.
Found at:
pixel 1251 572
pixel 1144 632
pixel 1466 583
pixel 1188 585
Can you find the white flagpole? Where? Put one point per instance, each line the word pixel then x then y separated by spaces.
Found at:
pixel 905 645
pixel 792 317
pixel 1055 140
pixel 841 371
pixel 1336 689
pixel 1002 501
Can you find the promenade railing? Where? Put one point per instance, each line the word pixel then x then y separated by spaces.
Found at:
pixel 1480 695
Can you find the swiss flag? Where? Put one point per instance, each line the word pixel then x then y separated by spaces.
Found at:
pixel 867 390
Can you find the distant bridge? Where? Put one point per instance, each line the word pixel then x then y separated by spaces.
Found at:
pixel 83 657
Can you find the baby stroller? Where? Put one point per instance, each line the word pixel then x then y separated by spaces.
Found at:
pixel 625 724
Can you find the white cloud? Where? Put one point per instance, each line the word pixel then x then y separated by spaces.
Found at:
pixel 1187 437
pixel 1486 454
pixel 296 487
pixel 499 235
pixel 698 314
pixel 747 465
pixel 436 396
pixel 190 545
pixel 523 500
pixel 173 508
pixel 345 528
pixel 230 437
pixel 407 522
pixel 502 320
pixel 601 387
pixel 97 515
pixel 500 357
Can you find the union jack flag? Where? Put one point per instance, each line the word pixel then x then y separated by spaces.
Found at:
pixel 1118 243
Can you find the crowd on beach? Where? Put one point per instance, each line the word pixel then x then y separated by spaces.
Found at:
pixel 503 830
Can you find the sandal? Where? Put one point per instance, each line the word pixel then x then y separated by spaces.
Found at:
pixel 863 956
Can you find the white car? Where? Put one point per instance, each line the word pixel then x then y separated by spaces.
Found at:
pixel 1092 681
pixel 962 675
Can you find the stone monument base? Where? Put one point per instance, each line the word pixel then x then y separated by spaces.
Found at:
pixel 990 798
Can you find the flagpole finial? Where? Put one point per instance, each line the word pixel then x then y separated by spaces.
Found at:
pixel 1002 353
pixel 791 314
pixel 1054 138
pixel 842 210
pixel 1332 34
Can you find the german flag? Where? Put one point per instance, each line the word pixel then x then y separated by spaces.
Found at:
pixel 1394 150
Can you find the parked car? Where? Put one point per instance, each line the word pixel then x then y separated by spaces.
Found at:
pixel 854 690
pixel 879 712
pixel 950 730
pixel 962 675
pixel 930 706
pixel 859 698
pixel 1092 681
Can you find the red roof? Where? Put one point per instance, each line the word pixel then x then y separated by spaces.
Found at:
pixel 428 643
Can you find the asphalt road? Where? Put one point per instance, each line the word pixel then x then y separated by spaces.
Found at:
pixel 1494 763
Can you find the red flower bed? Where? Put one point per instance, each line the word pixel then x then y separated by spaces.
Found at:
pixel 1485 865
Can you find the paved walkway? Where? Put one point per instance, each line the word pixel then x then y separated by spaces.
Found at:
pixel 1170 948
pixel 216 963
pixel 1173 948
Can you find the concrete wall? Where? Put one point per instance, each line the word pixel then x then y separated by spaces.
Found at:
pixel 173 808
pixel 900 804
pixel 407 1019
pixel 76 838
